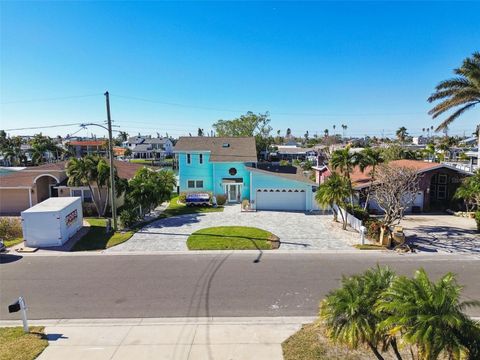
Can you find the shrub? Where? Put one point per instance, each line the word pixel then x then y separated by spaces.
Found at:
pixel 477 219
pixel 128 217
pixel 284 163
pixel 10 228
pixel 221 199
pixel 182 197
pixel 89 209
pixel 358 212
pixel 373 228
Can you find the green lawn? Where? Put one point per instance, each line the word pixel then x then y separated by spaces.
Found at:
pixel 12 242
pixel 230 238
pixel 150 162
pixel 16 345
pixel 141 161
pixel 175 209
pixel 369 247
pixel 98 239
pixel 312 343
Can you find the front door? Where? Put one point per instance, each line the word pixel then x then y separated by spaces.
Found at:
pixel 232 192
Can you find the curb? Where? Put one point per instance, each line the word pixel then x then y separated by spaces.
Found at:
pixel 383 253
pixel 273 320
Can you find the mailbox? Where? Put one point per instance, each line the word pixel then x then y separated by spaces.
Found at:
pixel 15 307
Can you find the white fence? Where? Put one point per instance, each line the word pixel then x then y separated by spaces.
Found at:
pixel 351 220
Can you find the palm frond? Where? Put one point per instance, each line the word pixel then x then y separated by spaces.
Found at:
pixel 455 115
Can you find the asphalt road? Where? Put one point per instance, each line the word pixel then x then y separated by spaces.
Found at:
pixel 128 286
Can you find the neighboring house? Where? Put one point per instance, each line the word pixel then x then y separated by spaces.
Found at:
pixel 146 147
pixel 293 152
pixel 419 140
pixel 119 151
pixel 438 183
pixel 82 148
pixel 322 172
pixel 228 166
pixel 24 188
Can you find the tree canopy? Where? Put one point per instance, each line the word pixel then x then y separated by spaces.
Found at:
pixel 250 124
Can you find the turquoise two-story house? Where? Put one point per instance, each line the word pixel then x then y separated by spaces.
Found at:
pixel 228 166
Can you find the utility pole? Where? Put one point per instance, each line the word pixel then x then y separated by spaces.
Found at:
pixel 112 169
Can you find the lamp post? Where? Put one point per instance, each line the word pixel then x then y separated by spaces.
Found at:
pixel 112 172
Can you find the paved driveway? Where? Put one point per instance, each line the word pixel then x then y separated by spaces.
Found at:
pixel 442 233
pixel 297 231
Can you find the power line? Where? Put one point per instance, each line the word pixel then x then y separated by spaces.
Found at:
pixel 43 127
pixel 48 99
pixel 271 112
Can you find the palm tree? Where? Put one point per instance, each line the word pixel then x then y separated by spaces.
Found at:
pixel 428 314
pixel 461 93
pixel 372 158
pixel 325 132
pixel 148 188
pixel 123 135
pixel 401 134
pixel 80 172
pixel 332 192
pixel 345 161
pixel 93 170
pixel 349 312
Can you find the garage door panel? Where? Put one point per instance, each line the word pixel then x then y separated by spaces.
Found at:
pixel 271 199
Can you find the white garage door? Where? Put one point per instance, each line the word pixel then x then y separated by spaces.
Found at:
pixel 288 199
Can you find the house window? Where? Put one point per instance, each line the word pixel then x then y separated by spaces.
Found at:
pixel 87 196
pixel 77 193
pixel 200 158
pixel 442 178
pixel 84 194
pixel 195 184
pixel 232 171
pixel 442 192
pixel 189 159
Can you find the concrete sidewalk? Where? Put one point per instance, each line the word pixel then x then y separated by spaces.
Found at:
pixel 168 338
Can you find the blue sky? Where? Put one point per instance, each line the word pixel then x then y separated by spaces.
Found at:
pixel 369 65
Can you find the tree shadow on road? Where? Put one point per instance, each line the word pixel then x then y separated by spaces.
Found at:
pixel 445 238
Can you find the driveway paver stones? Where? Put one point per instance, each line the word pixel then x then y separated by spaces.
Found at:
pixel 442 233
pixel 296 230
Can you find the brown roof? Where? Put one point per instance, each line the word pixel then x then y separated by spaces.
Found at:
pixel 239 149
pixel 361 179
pixel 289 172
pixel 26 177
pixel 126 170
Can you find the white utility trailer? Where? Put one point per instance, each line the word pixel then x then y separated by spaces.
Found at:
pixel 52 222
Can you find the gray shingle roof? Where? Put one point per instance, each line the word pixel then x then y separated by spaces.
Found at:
pixel 222 149
pixel 155 141
pixel 287 172
pixel 142 148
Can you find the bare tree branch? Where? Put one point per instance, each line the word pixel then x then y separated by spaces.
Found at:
pixel 395 191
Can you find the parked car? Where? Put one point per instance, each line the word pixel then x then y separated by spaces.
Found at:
pixel 197 199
